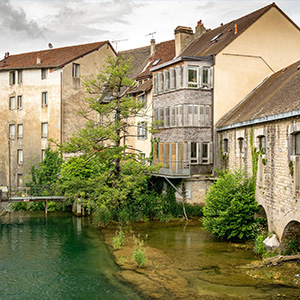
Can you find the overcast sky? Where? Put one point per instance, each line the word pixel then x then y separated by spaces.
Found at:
pixel 29 25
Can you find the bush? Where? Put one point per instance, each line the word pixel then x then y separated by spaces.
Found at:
pixel 139 254
pixel 230 207
pixel 259 247
pixel 118 240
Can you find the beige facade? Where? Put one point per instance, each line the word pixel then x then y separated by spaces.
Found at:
pixel 43 105
pixel 268 45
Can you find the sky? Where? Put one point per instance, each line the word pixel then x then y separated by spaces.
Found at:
pixel 30 25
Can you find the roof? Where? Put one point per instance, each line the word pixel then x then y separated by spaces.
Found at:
pixel 164 52
pixel 140 58
pixel 144 87
pixel 214 41
pixel 276 96
pixel 54 58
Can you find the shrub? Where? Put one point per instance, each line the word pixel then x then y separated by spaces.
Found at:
pixel 230 207
pixel 139 254
pixel 118 240
pixel 259 247
pixel 291 246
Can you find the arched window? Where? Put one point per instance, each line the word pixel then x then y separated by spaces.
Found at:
pixel 241 145
pixel 225 146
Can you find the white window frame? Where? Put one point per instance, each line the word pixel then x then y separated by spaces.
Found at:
pixel 44 99
pixel 20 76
pixel 44 73
pixel 206 84
pixel 20 102
pixel 44 129
pixel 12 131
pixel 12 103
pixel 20 132
pixel 12 77
pixel 142 130
pixel 193 84
pixel 20 156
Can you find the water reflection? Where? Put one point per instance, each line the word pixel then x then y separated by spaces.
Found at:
pixel 55 257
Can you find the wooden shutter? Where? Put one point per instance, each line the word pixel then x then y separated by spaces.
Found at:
pixel 211 153
pixel 201 115
pixel 201 77
pixel 211 77
pixel 297 173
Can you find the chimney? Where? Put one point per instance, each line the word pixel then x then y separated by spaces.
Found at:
pixel 199 29
pixel 152 48
pixel 38 58
pixel 183 36
pixel 6 55
pixel 235 29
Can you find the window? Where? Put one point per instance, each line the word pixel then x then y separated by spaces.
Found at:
pixel 20 76
pixel 297 143
pixel 194 157
pixel 262 144
pixel 204 153
pixel 192 76
pixel 12 131
pixel 12 77
pixel 75 70
pixel 143 99
pixel 44 74
pixel 205 77
pixel 167 80
pixel 20 156
pixel 44 99
pixel 12 103
pixel 172 79
pixel 160 82
pixel 225 146
pixel 20 102
pixel 167 117
pixel 241 145
pixel 142 131
pixel 44 130
pixel 20 131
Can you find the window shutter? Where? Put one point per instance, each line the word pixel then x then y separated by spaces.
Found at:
pixel 211 153
pixel 145 130
pixel 211 77
pixel 179 115
pixel 297 173
pixel 290 145
pixel 208 78
pixel 189 152
pixel 176 115
pixel 201 77
pixel 207 115
pixel 155 88
pixel 199 153
pixel 201 115
pixel 138 130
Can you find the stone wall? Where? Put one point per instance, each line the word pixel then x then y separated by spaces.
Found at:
pixel 275 182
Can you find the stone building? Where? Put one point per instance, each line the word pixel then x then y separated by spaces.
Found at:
pixel 212 70
pixel 41 93
pixel 266 125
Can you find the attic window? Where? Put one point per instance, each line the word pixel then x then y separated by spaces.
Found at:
pixel 156 62
pixel 215 39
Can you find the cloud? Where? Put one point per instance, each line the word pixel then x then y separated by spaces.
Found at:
pixel 15 21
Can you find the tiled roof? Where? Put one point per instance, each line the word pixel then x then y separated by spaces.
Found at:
pixel 140 58
pixel 279 94
pixel 56 57
pixel 164 52
pixel 144 87
pixel 204 46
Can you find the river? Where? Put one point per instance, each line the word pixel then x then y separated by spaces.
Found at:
pixel 63 257
pixel 56 257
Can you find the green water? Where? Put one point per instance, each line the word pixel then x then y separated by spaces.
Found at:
pixel 56 257
pixel 211 267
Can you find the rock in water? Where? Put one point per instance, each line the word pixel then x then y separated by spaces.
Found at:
pixel 271 243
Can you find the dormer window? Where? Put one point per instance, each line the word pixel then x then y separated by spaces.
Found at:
pixel 156 62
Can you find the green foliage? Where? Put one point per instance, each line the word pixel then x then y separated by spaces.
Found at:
pixel 259 247
pixel 230 207
pixel 254 155
pixel 291 246
pixel 139 254
pixel 291 167
pixel 118 240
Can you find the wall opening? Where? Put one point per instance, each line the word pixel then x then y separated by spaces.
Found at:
pixel 262 215
pixel 290 240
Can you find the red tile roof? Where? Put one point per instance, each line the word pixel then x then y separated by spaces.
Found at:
pixel 54 58
pixel 164 52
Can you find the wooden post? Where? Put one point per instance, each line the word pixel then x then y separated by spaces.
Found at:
pixel 82 211
pixel 46 207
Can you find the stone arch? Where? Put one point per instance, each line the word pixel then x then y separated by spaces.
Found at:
pixel 291 232
pixel 262 214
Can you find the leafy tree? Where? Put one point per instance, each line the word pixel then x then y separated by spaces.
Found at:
pixel 230 207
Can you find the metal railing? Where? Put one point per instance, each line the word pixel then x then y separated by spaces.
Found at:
pixel 174 167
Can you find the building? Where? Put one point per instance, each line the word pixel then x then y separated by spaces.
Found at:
pixel 41 93
pixel 211 72
pixel 262 136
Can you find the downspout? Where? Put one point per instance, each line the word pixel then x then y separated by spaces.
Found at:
pixel 61 109
pixel 9 165
pixel 213 119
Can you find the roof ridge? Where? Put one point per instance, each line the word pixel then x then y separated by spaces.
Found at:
pixel 53 49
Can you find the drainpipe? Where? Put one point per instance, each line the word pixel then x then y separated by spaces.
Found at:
pixel 213 119
pixel 9 166
pixel 61 108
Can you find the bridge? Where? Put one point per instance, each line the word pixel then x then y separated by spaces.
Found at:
pixel 9 195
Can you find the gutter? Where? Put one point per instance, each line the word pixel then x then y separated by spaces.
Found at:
pixel 289 114
pixel 183 58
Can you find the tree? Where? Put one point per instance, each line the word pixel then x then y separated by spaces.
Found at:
pixel 106 172
pixel 230 207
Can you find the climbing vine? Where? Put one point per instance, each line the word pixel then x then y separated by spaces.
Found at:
pixel 254 155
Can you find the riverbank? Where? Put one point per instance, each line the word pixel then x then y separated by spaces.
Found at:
pixel 178 277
